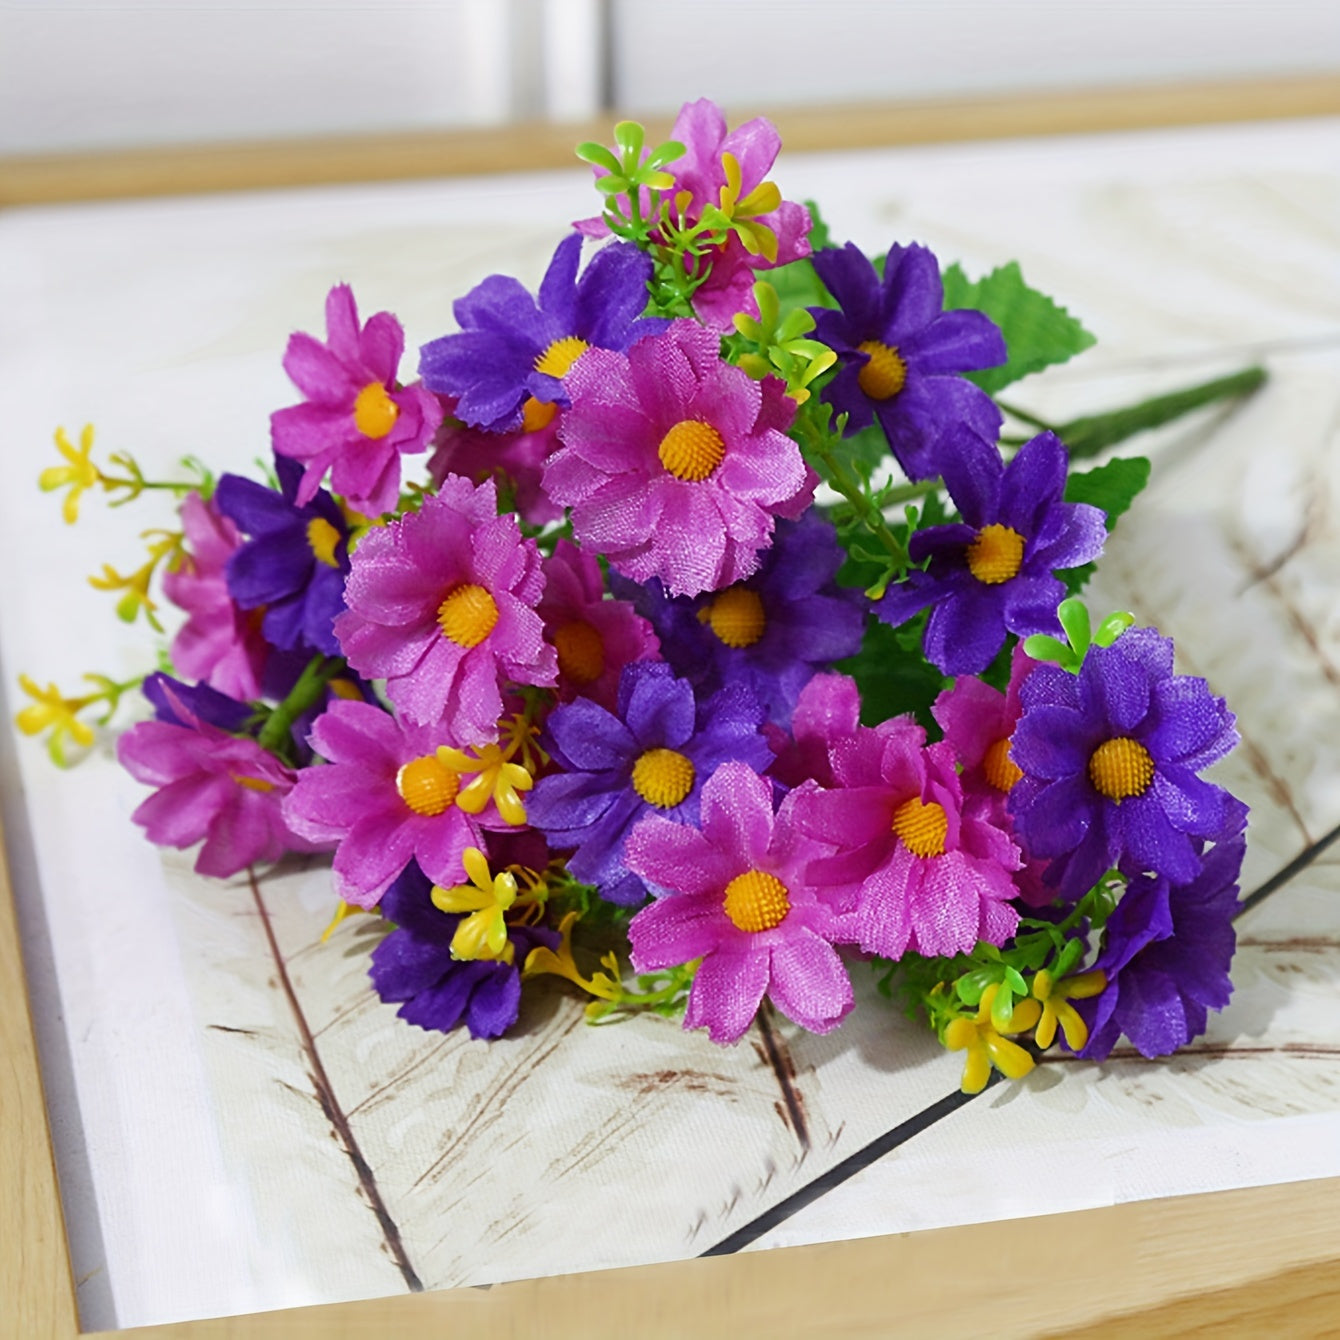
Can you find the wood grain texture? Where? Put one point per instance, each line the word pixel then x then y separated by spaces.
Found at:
pixel 262 165
pixel 36 1291
pixel 1050 1275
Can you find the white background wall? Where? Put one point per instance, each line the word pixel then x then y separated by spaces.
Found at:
pixel 78 74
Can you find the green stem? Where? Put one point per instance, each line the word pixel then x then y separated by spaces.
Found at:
pixel 320 670
pixel 1092 433
pixel 1024 417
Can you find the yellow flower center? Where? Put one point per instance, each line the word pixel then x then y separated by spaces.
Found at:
pixel 558 358
pixel 736 616
pixel 468 615
pixel 999 768
pixel 885 374
pixel 322 540
pixel 1121 767
pixel 345 688
pixel 253 783
pixel 426 785
pixel 537 414
pixel 375 412
pixel 996 554
pixel 921 828
pixel 691 450
pixel 581 652
pixel 757 901
pixel 663 777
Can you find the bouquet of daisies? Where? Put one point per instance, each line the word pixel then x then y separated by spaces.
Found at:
pixel 728 645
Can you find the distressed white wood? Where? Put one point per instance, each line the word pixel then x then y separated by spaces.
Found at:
pixel 190 1049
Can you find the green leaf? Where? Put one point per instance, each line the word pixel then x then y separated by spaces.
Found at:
pixel 892 678
pixel 598 156
pixel 1112 486
pixel 1038 332
pixel 1014 979
pixel 1002 1008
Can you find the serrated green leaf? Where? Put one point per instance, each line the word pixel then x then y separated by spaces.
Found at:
pixel 1112 486
pixel 1038 332
pixel 892 679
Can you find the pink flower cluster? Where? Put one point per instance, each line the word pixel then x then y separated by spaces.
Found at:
pixel 882 843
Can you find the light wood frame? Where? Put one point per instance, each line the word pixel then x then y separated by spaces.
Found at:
pixel 1237 1263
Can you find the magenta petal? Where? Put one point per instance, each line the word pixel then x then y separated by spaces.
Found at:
pixel 377 848
pixel 675 929
pixel 677 857
pixel 737 813
pixel 809 982
pixel 883 919
pixel 727 992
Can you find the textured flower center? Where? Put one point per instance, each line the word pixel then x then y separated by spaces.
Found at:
pixel 736 616
pixel 581 652
pixel 996 554
pixel 921 827
pixel 885 374
pixel 999 768
pixel 558 358
pixel 468 615
pixel 691 450
pixel 375 412
pixel 253 783
pixel 322 540
pixel 1121 767
pixel 757 901
pixel 537 414
pixel 663 777
pixel 427 785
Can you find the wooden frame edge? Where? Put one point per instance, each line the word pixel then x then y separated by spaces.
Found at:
pixel 1146 1268
pixel 262 165
pixel 36 1287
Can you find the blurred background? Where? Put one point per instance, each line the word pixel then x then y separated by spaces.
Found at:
pixel 108 74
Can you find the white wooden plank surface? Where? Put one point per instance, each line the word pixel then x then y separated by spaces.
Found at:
pixel 191 1058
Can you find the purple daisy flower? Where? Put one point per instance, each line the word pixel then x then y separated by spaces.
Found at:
pixel 991 573
pixel 652 756
pixel 514 348
pixel 900 354
pixel 1110 758
pixel 737 896
pixel 676 463
pixel 925 873
pixel 1166 954
pixel 210 785
pixel 775 630
pixel 414 967
pixel 382 799
pixel 442 606
pixel 357 420
pixel 295 563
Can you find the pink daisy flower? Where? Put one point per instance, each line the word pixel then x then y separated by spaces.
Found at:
pixel 828 710
pixel 675 463
pixel 778 230
pixel 219 644
pixel 739 899
pixel 594 637
pixel 442 606
pixel 382 798
pixel 978 722
pixel 514 460
pixel 929 874
pixel 358 420
pixel 210 785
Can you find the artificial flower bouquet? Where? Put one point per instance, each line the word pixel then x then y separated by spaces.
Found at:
pixel 729 644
